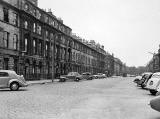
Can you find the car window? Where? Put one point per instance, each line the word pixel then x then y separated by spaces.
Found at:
pixel 4 74
pixel 77 74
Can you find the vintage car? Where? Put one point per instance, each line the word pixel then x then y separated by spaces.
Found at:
pixel 87 76
pixel 153 84
pixel 146 79
pixel 137 79
pixel 75 76
pixel 141 79
pixel 99 76
pixel 9 79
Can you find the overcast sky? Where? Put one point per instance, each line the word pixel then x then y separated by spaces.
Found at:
pixel 128 28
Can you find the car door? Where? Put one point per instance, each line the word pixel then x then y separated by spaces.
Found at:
pixel 4 79
pixel 84 76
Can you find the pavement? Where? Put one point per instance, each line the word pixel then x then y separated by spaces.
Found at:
pixel 44 81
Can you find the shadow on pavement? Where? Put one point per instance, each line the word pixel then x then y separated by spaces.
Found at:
pixel 8 90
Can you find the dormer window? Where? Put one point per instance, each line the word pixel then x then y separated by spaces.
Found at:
pixel 26 7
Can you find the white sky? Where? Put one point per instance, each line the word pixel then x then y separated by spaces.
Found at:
pixel 128 28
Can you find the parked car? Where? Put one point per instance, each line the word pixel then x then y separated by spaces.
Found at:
pixel 100 76
pixel 87 76
pixel 9 79
pixel 155 103
pixel 146 79
pixel 75 76
pixel 137 79
pixel 143 78
pixel 153 84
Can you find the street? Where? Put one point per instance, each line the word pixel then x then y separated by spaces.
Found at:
pixel 111 98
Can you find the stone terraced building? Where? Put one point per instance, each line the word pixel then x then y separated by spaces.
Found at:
pixel 37 44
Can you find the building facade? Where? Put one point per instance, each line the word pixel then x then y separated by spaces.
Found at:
pixel 119 67
pixel 154 64
pixel 9 36
pixel 37 44
pixel 86 56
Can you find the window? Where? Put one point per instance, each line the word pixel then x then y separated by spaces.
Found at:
pixel 26 25
pixel 6 14
pixel 46 34
pixel 15 19
pixel 34 46
pixel 39 29
pixel 6 39
pixel 34 12
pixel 4 74
pixel 34 27
pixel 15 41
pixel 47 49
pixel 26 44
pixel 38 14
pixel 40 48
pixel 26 7
pixel 46 19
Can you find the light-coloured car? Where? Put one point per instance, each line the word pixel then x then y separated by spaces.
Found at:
pixel 99 76
pixel 9 79
pixel 153 84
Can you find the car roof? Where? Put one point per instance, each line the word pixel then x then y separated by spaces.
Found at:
pixel 8 71
pixel 157 73
pixel 147 73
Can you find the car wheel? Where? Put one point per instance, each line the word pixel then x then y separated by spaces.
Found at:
pixel 153 92
pixel 14 86
pixel 77 79
pixel 90 78
pixel 64 80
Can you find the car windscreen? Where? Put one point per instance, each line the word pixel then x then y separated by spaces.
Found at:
pixel 73 74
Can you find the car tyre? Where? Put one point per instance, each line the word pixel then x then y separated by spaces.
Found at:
pixel 77 79
pixel 14 86
pixel 153 92
pixel 62 80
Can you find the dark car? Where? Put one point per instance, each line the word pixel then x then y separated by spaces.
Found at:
pixel 87 76
pixel 75 76
pixel 145 77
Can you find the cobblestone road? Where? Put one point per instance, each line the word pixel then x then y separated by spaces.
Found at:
pixel 113 98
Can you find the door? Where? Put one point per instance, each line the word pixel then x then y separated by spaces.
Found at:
pixel 4 79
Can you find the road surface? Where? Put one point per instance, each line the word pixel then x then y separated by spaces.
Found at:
pixel 111 98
